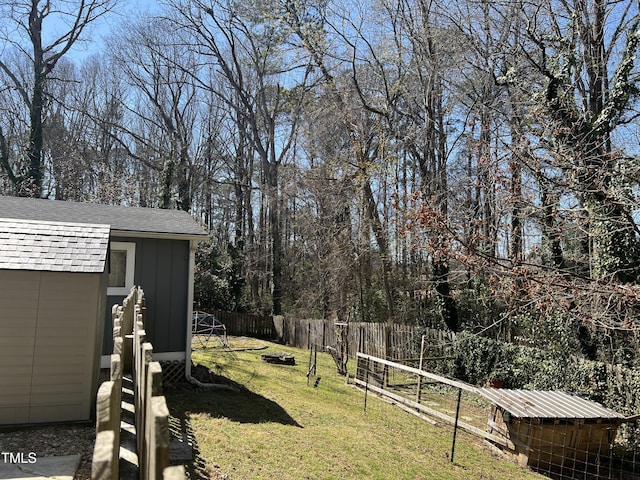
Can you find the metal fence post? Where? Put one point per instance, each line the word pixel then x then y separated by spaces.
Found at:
pixel 455 425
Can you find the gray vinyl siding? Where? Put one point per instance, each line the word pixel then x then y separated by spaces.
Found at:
pixel 162 270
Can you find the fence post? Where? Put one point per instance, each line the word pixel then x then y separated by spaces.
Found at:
pixel 420 365
pixel 106 408
pixel 133 353
pixel 104 463
pixel 138 340
pixel 386 342
pixel 115 369
pixel 146 355
pixel 153 389
pixel 127 327
pixel 154 380
pixel 366 384
pixel 157 458
pixel 174 473
pixel 116 322
pixel 455 426
pixel 107 447
pixel 118 346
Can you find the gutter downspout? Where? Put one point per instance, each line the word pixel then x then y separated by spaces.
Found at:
pixel 193 246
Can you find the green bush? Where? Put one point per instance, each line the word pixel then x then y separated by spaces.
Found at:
pixel 218 284
pixel 478 359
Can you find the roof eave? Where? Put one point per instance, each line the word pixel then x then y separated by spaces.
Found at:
pixel 159 235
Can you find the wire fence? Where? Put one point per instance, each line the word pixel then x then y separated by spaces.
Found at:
pixel 566 449
pixel 560 448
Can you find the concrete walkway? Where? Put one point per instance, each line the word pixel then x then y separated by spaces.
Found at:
pixel 44 468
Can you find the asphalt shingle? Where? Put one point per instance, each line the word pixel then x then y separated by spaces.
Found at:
pixel 122 219
pixel 53 246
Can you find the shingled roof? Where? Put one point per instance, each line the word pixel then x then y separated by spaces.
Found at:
pixel 53 246
pixel 135 221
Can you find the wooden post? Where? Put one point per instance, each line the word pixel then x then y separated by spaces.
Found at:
pixel 152 390
pixel 127 327
pixel 118 346
pixel 116 321
pixel 138 340
pixel 105 408
pixel 146 356
pixel 115 372
pixel 385 376
pixel 142 306
pixel 157 433
pixel 104 463
pixel 108 417
pixel 366 385
pixel 174 473
pixel 420 365
pixel 386 341
pixel 154 380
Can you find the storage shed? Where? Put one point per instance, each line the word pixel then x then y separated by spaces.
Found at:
pixel 151 247
pixel 53 286
pixel 551 429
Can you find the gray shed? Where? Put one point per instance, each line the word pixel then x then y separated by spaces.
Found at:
pixel 150 247
pixel 53 287
pixel 547 429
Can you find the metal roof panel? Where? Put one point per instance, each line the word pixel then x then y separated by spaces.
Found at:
pixel 547 404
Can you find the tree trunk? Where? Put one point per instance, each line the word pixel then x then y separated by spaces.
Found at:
pixel 383 244
pixel 271 180
pixel 33 186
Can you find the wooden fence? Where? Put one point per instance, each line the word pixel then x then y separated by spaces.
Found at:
pixel 385 340
pixel 133 354
pixel 245 324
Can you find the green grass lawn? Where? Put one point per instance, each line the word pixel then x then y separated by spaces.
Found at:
pixel 278 427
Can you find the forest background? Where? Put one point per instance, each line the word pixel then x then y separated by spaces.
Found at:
pixel 469 165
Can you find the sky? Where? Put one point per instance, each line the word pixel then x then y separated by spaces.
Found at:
pixel 92 40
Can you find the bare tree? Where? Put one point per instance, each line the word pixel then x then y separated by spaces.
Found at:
pixel 308 22
pixel 160 71
pixel 249 51
pixel 117 177
pixel 565 93
pixel 27 22
pixel 589 92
